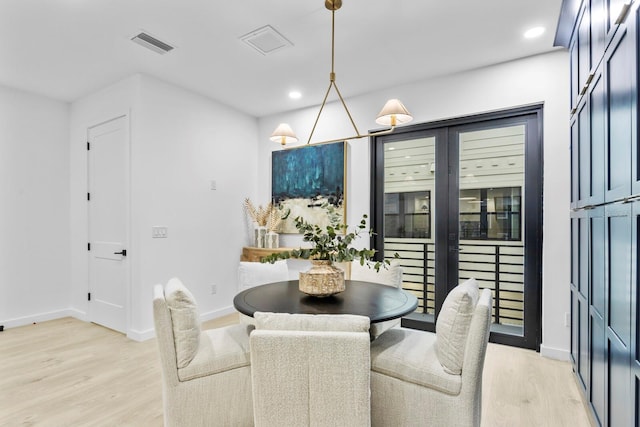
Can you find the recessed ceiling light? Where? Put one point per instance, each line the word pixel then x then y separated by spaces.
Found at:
pixel 534 32
pixel 294 94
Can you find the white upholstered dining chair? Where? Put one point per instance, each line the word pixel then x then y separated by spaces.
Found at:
pixel 206 375
pixel 310 370
pixel 423 379
pixel 251 274
pixel 390 276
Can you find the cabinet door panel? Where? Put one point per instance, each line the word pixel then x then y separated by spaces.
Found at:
pixel 575 323
pixel 575 69
pixel 584 157
pixel 620 399
pixel 598 366
pixel 618 76
pixel 597 267
pixel 583 256
pixel 584 364
pixel 575 180
pixel 584 49
pixel 597 121
pixel 633 23
pixel 637 399
pixel 619 271
pixel 575 329
pixel 598 29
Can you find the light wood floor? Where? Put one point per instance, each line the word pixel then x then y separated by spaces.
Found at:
pixel 70 373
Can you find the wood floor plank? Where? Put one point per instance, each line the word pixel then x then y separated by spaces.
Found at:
pixel 522 388
pixel 67 372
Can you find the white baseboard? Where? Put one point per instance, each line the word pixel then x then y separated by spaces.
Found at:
pixel 554 353
pixel 141 335
pixel 217 313
pixel 151 333
pixel 40 317
pixel 80 315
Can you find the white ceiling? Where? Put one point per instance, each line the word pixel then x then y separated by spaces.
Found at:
pixel 66 49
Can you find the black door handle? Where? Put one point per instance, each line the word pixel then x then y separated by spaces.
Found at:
pixel 122 252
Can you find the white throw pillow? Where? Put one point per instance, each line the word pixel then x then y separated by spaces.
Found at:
pixel 311 322
pixel 452 326
pixel 391 276
pixel 185 320
pixel 252 274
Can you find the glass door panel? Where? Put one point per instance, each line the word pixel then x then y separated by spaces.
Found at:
pixel 491 208
pixel 409 184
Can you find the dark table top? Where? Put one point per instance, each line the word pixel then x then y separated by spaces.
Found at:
pixel 377 302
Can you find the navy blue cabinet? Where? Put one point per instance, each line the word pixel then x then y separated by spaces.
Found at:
pixel 605 206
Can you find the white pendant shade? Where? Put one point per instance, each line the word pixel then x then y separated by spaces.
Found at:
pixel 284 134
pixel 393 113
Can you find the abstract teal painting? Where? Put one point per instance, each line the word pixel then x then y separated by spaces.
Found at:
pixel 310 181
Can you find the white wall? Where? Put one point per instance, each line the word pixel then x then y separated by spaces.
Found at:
pixel 180 142
pixel 542 78
pixel 184 141
pixel 34 212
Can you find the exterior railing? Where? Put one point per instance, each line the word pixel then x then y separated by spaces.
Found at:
pixel 498 266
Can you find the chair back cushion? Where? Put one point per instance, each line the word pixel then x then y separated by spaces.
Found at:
pixel 185 321
pixel 391 276
pixel 311 322
pixel 252 274
pixel 452 325
pixel 310 370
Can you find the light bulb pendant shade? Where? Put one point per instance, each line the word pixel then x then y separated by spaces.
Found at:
pixel 393 113
pixel 284 135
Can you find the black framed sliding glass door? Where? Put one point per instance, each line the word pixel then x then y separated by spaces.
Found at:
pixel 462 198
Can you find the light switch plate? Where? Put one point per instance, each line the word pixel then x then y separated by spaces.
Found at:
pixel 159 232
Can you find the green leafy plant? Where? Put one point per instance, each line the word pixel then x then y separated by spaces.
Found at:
pixel 332 243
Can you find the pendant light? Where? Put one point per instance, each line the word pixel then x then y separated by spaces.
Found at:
pixel 392 114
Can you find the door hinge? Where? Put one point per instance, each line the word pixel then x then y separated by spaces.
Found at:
pixel 88 196
pixel 89 296
pixel 88 146
pixel 88 246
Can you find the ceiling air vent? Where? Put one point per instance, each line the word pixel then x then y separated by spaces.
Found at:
pixel 266 40
pixel 152 43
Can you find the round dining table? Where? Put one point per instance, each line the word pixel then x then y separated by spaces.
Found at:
pixel 378 302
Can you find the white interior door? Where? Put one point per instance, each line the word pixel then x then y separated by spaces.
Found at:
pixel 108 223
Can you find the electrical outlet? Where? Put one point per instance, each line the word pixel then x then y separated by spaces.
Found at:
pixel 214 289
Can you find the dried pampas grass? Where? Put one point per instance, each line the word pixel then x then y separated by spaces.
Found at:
pixel 269 216
pixel 274 220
